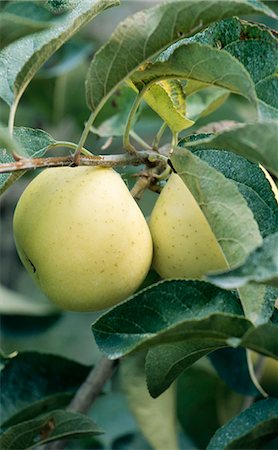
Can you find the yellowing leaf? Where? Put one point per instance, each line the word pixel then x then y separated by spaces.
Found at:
pixel 168 100
pixel 156 417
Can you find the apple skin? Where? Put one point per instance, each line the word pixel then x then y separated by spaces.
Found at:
pixel 184 244
pixel 82 237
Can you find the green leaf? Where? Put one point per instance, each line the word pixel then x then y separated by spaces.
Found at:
pixel 232 366
pixel 32 143
pixel 169 311
pixel 253 428
pixel 267 90
pixel 179 322
pixel 226 210
pixel 33 382
pixel 261 266
pixel 257 142
pixel 156 417
pixel 20 61
pixel 249 43
pixel 17 19
pixel 263 339
pixel 250 181
pixel 199 62
pixel 58 7
pixel 199 393
pixel 255 188
pixel 147 33
pixel 57 424
pixel 261 310
pixel 164 363
pixel 8 143
pixel 252 184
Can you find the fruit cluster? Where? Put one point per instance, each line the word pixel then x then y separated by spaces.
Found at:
pixel 86 243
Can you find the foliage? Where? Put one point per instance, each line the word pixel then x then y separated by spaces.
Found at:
pixel 188 87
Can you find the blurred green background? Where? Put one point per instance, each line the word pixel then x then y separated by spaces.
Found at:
pixel 55 101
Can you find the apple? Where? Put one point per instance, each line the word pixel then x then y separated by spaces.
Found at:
pixel 184 244
pixel 82 237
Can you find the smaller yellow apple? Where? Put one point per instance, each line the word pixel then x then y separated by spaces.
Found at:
pixel 184 244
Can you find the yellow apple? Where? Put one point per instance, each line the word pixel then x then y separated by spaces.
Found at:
pixel 184 244
pixel 83 238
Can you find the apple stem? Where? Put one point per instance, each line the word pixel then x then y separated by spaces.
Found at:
pixel 143 183
pixel 147 180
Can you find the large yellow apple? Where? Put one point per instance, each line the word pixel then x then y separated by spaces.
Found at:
pixel 82 237
pixel 184 244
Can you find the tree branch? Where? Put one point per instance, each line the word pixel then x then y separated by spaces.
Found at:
pixel 36 163
pixel 87 394
pixel 92 386
pixel 143 157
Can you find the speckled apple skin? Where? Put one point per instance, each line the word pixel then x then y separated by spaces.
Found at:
pixel 184 244
pixel 82 237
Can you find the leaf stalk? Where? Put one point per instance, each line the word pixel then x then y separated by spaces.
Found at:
pixel 126 141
